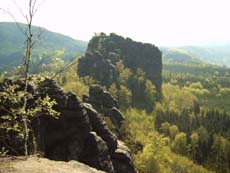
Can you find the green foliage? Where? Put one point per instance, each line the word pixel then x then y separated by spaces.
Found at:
pixel 180 145
pixel 124 73
pixel 208 82
pixel 175 99
pixel 71 82
pixel 153 156
pixel 133 89
pixel 194 145
pixel 136 126
pixel 13 116
pixel 220 152
pixel 151 150
pixel 198 127
pixel 173 131
pixel 124 97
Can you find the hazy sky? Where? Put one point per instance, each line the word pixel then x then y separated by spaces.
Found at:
pixel 161 22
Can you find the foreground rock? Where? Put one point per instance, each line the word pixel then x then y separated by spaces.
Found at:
pixel 79 134
pixel 42 165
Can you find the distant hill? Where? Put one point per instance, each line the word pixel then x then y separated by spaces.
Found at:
pixel 218 54
pixel 12 42
pixel 178 55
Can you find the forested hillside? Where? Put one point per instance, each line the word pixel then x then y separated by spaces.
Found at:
pixel 12 44
pixel 195 112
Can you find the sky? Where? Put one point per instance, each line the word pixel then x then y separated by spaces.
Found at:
pixel 160 22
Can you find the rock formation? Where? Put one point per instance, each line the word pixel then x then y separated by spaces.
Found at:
pixel 80 133
pixel 104 103
pixel 104 51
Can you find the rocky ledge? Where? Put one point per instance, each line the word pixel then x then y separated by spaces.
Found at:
pixel 42 165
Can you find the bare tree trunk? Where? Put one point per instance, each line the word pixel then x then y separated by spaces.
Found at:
pixel 29 45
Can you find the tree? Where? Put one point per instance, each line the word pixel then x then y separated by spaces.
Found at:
pixel 173 131
pixel 165 128
pixel 27 62
pixel 180 144
pixel 194 144
pixel 13 114
pixel 124 97
pixel 22 114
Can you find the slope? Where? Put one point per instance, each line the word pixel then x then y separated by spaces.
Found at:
pixel 12 43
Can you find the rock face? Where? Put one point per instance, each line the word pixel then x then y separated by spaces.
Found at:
pixel 42 165
pixel 104 51
pixel 100 99
pixel 104 103
pixel 80 133
pixel 98 67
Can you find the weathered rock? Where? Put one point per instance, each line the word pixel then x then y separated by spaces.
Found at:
pixel 42 165
pixel 108 101
pixel 116 117
pixel 122 160
pixel 101 99
pixel 63 138
pixel 101 66
pixel 51 88
pixel 70 137
pixel 101 129
pixel 104 102
pixel 73 102
pixel 96 153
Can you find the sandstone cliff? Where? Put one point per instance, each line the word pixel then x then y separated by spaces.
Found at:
pixel 104 51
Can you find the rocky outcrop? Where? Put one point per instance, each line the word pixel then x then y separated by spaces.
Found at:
pixel 41 165
pixel 100 99
pixel 94 64
pixel 79 134
pixel 104 103
pixel 104 51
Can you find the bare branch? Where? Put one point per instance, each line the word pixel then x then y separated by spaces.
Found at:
pixel 38 36
pixel 17 23
pixel 19 8
pixel 65 67
pixel 33 7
